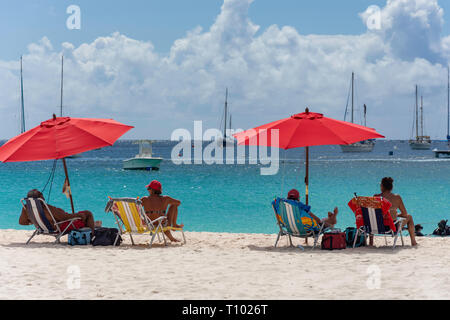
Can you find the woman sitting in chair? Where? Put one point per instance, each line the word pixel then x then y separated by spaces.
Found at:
pixel 156 205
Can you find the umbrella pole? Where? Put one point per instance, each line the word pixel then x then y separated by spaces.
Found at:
pixel 307 175
pixel 68 183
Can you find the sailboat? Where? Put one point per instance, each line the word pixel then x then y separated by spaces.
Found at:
pixel 144 160
pixel 362 146
pixel 22 110
pixel 226 141
pixel 421 142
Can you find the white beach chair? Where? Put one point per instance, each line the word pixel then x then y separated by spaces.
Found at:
pixel 34 207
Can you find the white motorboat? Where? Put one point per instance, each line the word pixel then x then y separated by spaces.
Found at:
pixel 144 160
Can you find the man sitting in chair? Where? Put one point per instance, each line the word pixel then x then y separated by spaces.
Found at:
pixel 87 219
pixel 328 222
pixel 386 186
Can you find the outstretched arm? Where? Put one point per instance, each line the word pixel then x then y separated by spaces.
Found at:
pixel 402 208
pixel 172 202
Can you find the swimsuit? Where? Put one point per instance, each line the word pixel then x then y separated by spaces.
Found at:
pixel 156 211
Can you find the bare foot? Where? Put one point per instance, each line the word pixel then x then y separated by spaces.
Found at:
pixel 180 226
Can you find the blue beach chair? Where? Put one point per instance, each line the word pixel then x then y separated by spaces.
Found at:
pixel 36 214
pixel 294 221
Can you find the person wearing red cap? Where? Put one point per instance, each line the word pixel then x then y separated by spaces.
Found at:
pixel 328 222
pixel 157 205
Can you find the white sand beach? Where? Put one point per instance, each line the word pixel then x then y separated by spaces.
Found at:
pixel 220 266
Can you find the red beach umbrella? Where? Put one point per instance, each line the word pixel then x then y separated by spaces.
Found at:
pixel 60 137
pixel 305 130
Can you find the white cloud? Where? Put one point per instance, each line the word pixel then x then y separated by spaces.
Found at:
pixel 412 28
pixel 271 74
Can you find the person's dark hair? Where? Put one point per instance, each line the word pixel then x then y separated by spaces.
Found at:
pixel 157 192
pixel 35 193
pixel 387 183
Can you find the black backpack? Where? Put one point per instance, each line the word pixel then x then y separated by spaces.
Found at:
pixel 350 234
pixel 106 237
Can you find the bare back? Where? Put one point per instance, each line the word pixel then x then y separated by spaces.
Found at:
pixel 157 205
pixel 397 204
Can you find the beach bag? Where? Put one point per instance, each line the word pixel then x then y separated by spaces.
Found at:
pixel 350 234
pixel 80 237
pixel 333 241
pixel 106 237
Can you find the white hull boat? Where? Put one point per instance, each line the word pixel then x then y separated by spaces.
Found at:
pixel 144 160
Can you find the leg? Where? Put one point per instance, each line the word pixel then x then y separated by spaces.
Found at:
pixel 411 229
pixel 172 214
pixel 170 236
pixel 87 217
pixel 160 225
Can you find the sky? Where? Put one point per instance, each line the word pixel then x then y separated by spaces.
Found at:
pixel 161 65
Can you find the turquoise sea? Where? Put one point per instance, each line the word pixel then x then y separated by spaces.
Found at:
pixel 237 198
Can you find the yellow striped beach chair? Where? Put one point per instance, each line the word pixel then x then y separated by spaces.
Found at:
pixel 131 219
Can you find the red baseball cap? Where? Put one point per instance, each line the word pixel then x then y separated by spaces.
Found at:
pixel 294 194
pixel 155 185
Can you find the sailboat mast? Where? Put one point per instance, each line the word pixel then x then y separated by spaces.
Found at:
pixel 448 104
pixel 421 116
pixel 22 112
pixel 353 95
pixel 417 115
pixel 62 84
pixel 226 107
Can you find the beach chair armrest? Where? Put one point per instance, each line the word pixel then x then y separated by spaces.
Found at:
pixel 159 219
